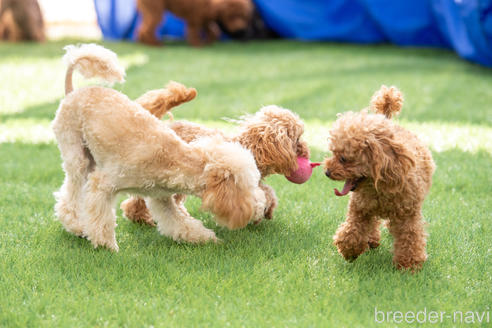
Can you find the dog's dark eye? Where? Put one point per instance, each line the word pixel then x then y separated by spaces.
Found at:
pixel 343 160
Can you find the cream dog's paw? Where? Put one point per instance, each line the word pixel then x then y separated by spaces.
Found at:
pixel 190 231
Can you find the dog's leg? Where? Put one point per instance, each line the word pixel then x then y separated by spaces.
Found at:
pixel 76 163
pixel 374 233
pixel 352 237
pixel 212 33
pixel 135 210
pixel 193 35
pixel 180 199
pixel 409 241
pixel 173 223
pixel 67 204
pixel 271 200
pixel 99 217
pixel 151 18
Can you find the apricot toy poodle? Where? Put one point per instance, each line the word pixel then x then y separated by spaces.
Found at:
pixel 110 144
pixel 201 17
pixel 273 135
pixel 389 171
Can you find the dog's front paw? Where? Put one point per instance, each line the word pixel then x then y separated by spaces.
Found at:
pixel 190 231
pixel 350 255
pixel 197 233
pixel 102 238
pixel 349 242
pixel 149 39
pixel 373 243
pixel 350 249
pixel 109 244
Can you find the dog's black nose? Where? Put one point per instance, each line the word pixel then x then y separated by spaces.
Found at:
pixel 327 173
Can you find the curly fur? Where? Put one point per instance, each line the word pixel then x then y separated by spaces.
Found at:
pixel 201 17
pixel 391 171
pixel 21 20
pixel 110 144
pixel 273 135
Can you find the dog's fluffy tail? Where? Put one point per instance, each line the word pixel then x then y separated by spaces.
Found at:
pixel 92 60
pixel 161 101
pixel 387 101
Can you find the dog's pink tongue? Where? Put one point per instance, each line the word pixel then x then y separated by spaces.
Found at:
pixel 346 188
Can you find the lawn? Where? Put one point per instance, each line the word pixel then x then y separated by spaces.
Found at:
pixel 280 273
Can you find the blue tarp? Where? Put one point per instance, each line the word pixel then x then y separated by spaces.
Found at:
pixel 462 25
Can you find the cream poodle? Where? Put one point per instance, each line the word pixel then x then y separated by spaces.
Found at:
pixel 273 135
pixel 389 171
pixel 110 144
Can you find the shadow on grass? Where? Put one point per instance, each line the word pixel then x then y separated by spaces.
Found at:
pixel 44 111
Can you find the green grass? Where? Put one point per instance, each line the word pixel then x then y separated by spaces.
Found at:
pixel 283 272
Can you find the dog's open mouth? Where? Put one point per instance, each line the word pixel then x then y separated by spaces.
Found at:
pixel 350 185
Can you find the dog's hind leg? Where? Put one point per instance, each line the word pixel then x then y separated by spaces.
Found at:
pixel 99 216
pixel 271 200
pixel 77 162
pixel 172 222
pixel 151 12
pixel 134 209
pixel 180 199
pixel 409 241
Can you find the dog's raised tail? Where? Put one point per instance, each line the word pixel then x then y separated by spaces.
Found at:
pixel 92 60
pixel 161 101
pixel 387 101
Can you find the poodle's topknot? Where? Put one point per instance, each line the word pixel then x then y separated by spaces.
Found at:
pixel 387 101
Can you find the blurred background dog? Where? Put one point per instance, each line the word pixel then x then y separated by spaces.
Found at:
pixel 21 20
pixel 201 17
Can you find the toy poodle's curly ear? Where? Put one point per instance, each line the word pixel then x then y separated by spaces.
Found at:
pixel 390 162
pixel 273 149
pixel 303 149
pixel 231 181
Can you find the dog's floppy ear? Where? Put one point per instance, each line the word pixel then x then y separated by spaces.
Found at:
pixel 390 161
pixel 273 149
pixel 233 206
pixel 303 149
pixel 230 181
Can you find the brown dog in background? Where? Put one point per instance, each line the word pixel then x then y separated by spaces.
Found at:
pixel 21 20
pixel 201 17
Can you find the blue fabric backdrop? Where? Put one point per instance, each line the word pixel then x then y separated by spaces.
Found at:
pixel 462 25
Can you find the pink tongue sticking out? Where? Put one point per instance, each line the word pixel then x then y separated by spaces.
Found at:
pixel 346 188
pixel 304 171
